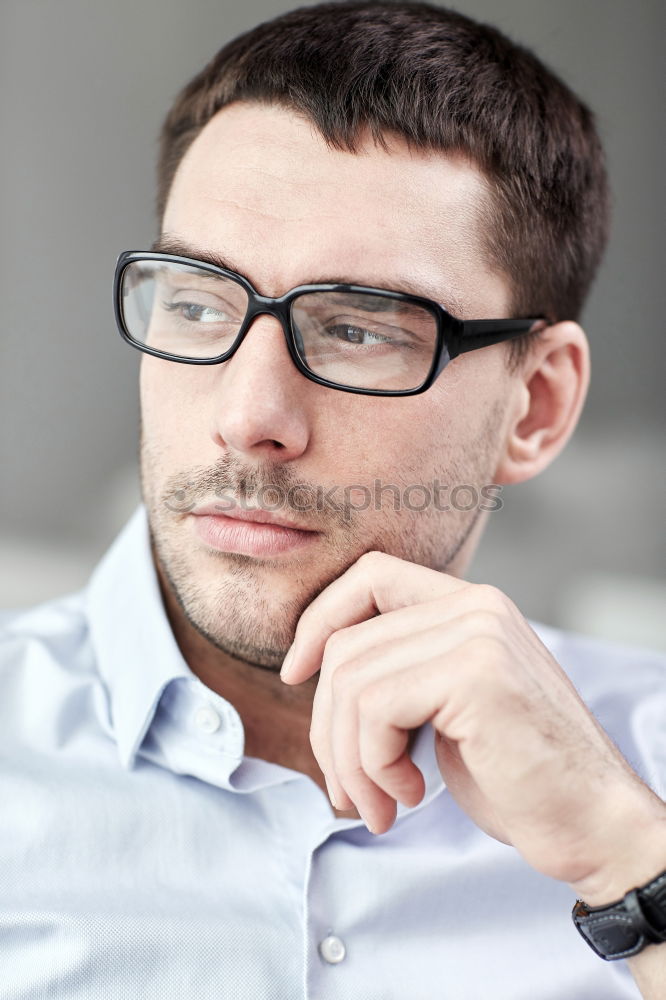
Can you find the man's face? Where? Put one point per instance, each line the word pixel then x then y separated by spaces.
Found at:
pixel 260 189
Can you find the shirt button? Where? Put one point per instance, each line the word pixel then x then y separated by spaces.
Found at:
pixel 332 949
pixel 207 720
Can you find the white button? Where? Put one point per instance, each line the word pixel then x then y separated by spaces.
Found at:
pixel 332 949
pixel 207 720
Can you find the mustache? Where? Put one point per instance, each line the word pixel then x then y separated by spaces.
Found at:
pixel 269 486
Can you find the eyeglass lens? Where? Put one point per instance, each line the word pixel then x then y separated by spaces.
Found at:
pixel 362 340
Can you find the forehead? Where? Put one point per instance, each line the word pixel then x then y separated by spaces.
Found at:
pixel 260 187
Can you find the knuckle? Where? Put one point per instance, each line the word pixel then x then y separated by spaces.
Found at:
pixel 483 622
pixel 370 702
pixel 373 560
pixel 335 646
pixel 342 676
pixel 320 749
pixel 350 775
pixel 492 598
pixel 314 734
pixel 375 767
pixel 317 752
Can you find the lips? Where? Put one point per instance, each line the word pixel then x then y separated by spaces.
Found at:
pixel 249 531
pixel 256 515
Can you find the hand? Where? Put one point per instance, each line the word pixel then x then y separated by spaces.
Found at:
pixel 398 645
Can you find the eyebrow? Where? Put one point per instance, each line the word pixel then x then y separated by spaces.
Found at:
pixel 170 244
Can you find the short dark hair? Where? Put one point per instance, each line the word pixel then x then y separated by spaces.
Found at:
pixel 443 82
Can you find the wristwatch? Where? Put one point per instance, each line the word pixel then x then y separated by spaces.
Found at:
pixel 624 928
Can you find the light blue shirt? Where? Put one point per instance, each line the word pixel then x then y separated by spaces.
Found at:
pixel 143 857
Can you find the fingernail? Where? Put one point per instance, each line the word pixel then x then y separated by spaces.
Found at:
pixel 287 662
pixel 330 793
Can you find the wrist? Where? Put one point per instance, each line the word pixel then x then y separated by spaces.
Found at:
pixel 626 928
pixel 634 853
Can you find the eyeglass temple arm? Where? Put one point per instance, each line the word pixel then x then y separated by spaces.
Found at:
pixel 476 333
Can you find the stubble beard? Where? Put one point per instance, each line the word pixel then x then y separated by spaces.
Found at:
pixel 251 607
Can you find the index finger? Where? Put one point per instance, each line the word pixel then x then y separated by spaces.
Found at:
pixel 374 584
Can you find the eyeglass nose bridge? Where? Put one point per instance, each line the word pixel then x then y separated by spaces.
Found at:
pixel 280 308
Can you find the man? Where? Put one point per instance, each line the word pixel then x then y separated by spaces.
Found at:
pixel 280 747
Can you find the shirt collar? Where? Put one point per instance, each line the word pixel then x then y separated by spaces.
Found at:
pixel 135 649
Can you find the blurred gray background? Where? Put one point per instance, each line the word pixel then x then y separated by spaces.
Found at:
pixel 84 85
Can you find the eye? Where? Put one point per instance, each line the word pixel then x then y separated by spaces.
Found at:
pixel 352 334
pixel 195 312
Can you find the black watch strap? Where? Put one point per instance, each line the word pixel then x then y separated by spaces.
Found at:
pixel 622 929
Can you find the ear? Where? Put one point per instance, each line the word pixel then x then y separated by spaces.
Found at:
pixel 549 391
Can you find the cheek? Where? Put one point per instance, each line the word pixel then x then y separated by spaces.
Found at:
pixel 172 404
pixel 468 391
pixel 366 438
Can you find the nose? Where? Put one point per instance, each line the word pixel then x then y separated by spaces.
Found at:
pixel 260 396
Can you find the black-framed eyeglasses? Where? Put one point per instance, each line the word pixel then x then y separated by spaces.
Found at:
pixel 348 337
